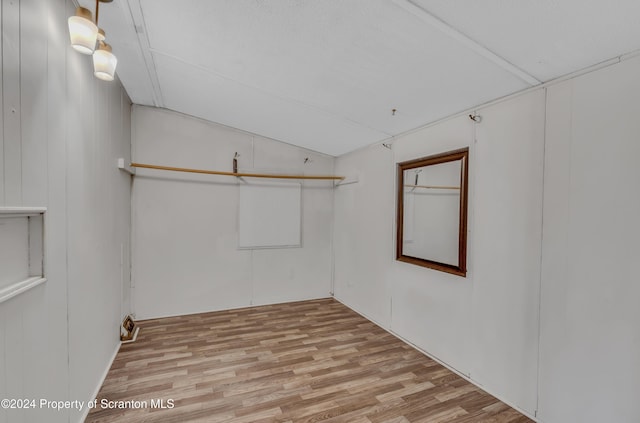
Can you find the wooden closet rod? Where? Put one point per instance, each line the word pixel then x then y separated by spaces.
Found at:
pixel 431 187
pixel 251 175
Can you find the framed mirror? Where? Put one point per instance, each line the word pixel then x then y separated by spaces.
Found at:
pixel 432 212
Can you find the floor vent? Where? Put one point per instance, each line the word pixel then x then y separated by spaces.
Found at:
pixel 129 330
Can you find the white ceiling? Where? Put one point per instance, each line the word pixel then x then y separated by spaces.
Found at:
pixel 325 74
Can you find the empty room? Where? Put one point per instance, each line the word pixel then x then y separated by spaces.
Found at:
pixel 296 211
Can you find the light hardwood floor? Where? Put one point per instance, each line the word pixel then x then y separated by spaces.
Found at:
pixel 308 361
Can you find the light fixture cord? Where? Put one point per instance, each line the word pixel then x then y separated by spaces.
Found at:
pixel 97 10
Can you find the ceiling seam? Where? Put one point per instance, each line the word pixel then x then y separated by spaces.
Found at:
pixel 145 48
pixel 604 64
pixel 244 131
pixel 470 43
pixel 262 90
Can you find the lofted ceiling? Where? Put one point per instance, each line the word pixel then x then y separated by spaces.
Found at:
pixel 326 74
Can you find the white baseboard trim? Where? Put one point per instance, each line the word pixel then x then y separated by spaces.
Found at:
pixel 251 303
pixel 86 410
pixel 439 361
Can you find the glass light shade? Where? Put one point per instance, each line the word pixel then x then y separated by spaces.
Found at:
pixel 82 31
pixel 101 34
pixel 104 62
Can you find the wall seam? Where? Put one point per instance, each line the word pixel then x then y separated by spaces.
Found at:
pixel 394 220
pixel 544 161
pixel 252 266
pixel 19 108
pixel 66 216
pixel 2 150
pixel 471 223
pixel 332 276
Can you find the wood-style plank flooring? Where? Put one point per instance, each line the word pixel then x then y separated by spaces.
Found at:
pixel 308 361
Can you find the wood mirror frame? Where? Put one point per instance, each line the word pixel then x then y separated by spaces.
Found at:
pixel 459 268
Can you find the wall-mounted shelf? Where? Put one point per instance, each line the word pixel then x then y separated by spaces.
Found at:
pixel 21 250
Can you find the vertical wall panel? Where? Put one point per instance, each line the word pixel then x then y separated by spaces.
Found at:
pixel 82 272
pixel 55 326
pixel 13 340
pixel 2 182
pixel 3 364
pixel 124 133
pixel 590 342
pixel 93 185
pixel 363 232
pixel 14 354
pixel 98 201
pixel 11 102
pixel 33 348
pixel 432 308
pixel 507 248
pixel 555 269
pixel 33 101
pixel 33 113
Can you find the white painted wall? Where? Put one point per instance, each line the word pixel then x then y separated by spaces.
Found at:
pixel 546 325
pixel 364 246
pixel 429 308
pixel 62 132
pixel 186 257
pixel 590 337
pixel 506 248
pixel 484 325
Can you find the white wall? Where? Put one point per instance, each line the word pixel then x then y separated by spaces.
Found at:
pixel 506 249
pixel 590 333
pixel 364 246
pixel 484 325
pixel 185 252
pixel 62 132
pixel 561 311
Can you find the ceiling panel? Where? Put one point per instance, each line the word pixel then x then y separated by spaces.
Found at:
pixel 345 60
pixel 326 74
pixel 216 99
pixel 546 38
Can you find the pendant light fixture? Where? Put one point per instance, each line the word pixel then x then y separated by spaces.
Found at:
pixel 104 62
pixel 84 34
pixel 83 31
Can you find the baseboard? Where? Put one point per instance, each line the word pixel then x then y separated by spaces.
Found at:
pixel 85 412
pixel 252 303
pixel 441 362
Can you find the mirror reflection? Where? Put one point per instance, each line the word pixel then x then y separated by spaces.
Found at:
pixel 432 212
